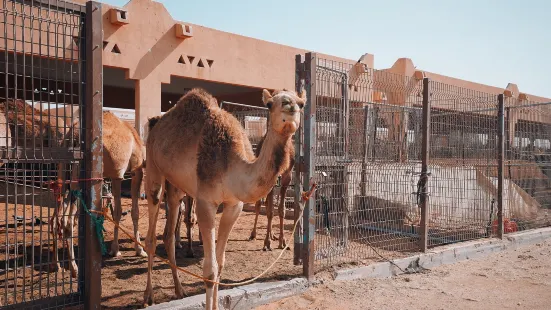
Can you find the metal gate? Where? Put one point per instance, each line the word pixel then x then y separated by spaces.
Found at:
pixel 50 91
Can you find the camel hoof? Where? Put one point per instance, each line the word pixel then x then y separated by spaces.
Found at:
pixel 148 298
pixel 141 253
pixel 74 270
pixel 179 290
pixel 54 267
pixel 266 248
pixel 115 254
pixel 252 237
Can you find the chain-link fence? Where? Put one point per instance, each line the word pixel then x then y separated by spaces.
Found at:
pixel 406 163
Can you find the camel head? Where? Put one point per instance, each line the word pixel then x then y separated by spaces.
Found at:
pixel 285 110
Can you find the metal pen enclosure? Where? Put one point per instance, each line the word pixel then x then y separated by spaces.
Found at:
pixel 50 125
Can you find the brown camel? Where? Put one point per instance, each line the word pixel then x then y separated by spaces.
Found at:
pixel 187 208
pixel 204 151
pixel 286 178
pixel 123 151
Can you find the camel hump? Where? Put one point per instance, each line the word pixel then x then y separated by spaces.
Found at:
pixel 152 121
pixel 198 97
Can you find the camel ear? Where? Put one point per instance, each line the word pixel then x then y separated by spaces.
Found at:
pixel 302 95
pixel 266 96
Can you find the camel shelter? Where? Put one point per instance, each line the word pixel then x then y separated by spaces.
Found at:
pixel 150 60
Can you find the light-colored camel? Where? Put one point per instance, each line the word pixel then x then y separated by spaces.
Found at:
pixel 286 178
pixel 123 151
pixel 204 151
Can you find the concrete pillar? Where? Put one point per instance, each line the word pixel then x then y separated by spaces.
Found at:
pixel 148 103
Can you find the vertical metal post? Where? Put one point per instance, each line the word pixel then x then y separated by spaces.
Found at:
pixel 297 248
pixel 346 116
pixel 93 123
pixel 309 222
pixel 425 152
pixel 500 161
pixel 367 125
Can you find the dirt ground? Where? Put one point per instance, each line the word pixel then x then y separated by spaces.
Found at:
pixel 515 279
pixel 124 278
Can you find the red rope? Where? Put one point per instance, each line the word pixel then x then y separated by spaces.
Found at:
pixel 73 181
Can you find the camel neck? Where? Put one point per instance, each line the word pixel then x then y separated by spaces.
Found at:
pixel 270 163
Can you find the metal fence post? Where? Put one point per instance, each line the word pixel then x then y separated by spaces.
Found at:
pixel 93 123
pixel 423 180
pixel 500 162
pixel 297 248
pixel 309 222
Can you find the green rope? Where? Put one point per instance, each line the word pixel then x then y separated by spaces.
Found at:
pixel 97 220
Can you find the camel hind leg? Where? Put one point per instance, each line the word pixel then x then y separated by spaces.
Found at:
pixel 190 219
pixel 173 216
pixel 257 212
pixel 117 214
pixel 270 215
pixel 154 189
pixel 137 177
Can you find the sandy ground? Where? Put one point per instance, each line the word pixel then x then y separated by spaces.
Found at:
pixel 515 279
pixel 124 278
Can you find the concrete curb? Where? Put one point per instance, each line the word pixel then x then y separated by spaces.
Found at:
pixel 446 255
pixel 254 295
pixel 243 297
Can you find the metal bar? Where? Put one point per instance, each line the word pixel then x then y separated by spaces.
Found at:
pixel 500 159
pixel 58 6
pixel 94 149
pixel 493 109
pixel 242 105
pixel 332 70
pixel 309 219
pixel 425 151
pixel 297 248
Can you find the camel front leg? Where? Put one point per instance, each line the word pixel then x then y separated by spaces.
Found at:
pixel 154 190
pixel 270 215
pixel 117 214
pixel 281 209
pixel 55 222
pixel 257 212
pixel 229 217
pixel 206 215
pixel 71 216
pixel 137 177
pixel 189 219
pixel 173 215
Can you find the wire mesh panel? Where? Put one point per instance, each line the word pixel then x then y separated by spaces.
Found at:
pixel 41 104
pixel 255 121
pixel 463 164
pixel 367 162
pixel 527 173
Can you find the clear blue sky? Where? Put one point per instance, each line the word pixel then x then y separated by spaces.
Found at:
pixel 487 41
